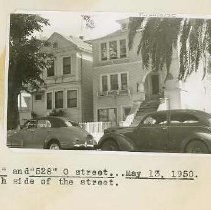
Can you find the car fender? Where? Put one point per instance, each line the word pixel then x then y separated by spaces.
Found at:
pixel 204 137
pixel 124 143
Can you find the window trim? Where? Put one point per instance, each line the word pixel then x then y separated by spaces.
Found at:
pixel 53 68
pixel 55 99
pixel 63 65
pixel 77 99
pixel 109 81
pixel 118 49
pixel 52 104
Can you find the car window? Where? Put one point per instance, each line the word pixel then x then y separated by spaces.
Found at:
pixel 184 118
pixel 43 124
pixel 155 119
pixel 31 124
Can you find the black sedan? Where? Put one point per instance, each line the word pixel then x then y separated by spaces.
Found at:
pixel 180 131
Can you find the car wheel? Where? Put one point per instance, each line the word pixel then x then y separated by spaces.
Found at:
pixel 109 145
pixel 196 146
pixel 54 146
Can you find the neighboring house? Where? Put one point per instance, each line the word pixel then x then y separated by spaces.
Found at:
pixel 124 91
pixel 68 80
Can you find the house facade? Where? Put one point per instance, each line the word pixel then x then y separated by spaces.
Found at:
pixel 124 91
pixel 68 80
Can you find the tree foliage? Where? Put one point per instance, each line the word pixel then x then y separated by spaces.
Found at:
pixel 26 59
pixel 161 36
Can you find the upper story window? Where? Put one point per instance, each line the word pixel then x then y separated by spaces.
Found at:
pixel 124 81
pixel 114 82
pixel 103 51
pixel 66 65
pixel 123 51
pixel 113 50
pixel 50 68
pixel 104 83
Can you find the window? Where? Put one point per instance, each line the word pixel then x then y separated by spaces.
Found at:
pixel 38 97
pixel 103 51
pixel 113 49
pixel 59 99
pixel 186 118
pixel 31 124
pixel 123 48
pixel 155 119
pixel 114 82
pixel 43 124
pixel 50 68
pixel 71 98
pixel 66 65
pixel 105 83
pixel 49 100
pixel 124 81
pixel 107 115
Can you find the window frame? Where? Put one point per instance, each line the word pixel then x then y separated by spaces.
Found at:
pixel 53 68
pixel 55 103
pixel 63 65
pixel 109 80
pixel 107 42
pixel 76 98
pixel 51 92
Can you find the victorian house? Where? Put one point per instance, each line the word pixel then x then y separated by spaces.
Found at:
pixel 68 80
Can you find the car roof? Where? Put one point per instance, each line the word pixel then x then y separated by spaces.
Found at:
pixel 190 111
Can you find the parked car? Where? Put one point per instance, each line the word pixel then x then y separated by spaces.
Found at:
pixel 180 131
pixel 51 133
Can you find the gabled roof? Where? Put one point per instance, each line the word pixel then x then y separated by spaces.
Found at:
pixel 81 44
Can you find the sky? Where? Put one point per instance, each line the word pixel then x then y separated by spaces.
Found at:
pixel 70 23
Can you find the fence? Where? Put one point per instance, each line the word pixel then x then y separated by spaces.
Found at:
pixel 95 127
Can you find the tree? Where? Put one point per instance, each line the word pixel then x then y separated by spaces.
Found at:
pixel 26 60
pixel 191 37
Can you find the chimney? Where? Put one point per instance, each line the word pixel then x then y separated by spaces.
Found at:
pixel 81 37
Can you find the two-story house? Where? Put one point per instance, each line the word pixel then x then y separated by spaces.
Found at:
pixel 120 83
pixel 68 80
pixel 124 91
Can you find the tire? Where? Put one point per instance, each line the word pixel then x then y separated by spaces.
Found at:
pixel 196 146
pixel 54 145
pixel 109 145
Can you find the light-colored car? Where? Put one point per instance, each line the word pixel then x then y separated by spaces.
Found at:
pixel 50 133
pixel 181 131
